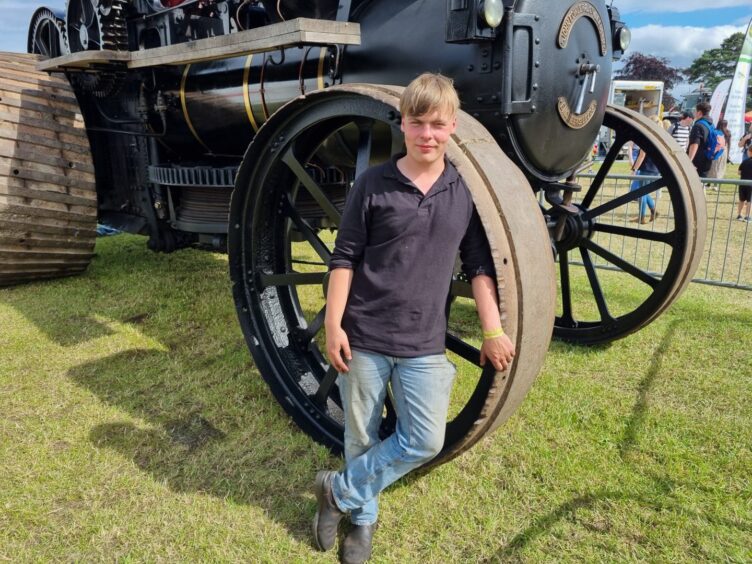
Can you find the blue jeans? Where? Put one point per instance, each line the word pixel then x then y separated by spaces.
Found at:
pixel 645 201
pixel 421 387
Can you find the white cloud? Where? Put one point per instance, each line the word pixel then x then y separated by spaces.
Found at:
pixel 676 6
pixel 16 15
pixel 679 44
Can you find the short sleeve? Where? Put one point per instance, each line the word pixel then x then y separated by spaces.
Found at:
pixel 352 233
pixel 475 252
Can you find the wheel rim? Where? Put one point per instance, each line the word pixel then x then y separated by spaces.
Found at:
pixel 278 198
pixel 658 258
pixel 46 35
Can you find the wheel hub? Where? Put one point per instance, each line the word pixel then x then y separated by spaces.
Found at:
pixel 83 37
pixel 576 230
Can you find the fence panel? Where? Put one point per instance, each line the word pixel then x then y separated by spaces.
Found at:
pixel 727 259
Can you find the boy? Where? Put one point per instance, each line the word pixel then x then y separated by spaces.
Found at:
pixel 391 269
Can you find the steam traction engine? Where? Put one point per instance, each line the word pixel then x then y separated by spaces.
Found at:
pixel 167 117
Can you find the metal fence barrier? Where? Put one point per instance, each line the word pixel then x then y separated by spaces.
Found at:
pixel 727 259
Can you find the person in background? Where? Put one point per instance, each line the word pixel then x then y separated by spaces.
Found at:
pixel 681 129
pixel 643 165
pixel 698 139
pixel 745 192
pixel 718 167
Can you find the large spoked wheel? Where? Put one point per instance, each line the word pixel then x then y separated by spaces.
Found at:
pixel 286 206
pixel 620 266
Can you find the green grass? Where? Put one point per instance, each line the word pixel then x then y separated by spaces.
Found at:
pixel 135 427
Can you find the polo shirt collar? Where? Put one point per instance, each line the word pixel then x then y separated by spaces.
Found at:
pixel 449 175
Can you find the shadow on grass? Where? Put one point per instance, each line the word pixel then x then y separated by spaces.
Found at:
pixel 205 420
pixel 77 300
pixel 655 500
pixel 192 442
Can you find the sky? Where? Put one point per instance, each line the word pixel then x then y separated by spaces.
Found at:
pixel 679 30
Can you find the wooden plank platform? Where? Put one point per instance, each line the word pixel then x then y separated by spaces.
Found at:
pixel 300 31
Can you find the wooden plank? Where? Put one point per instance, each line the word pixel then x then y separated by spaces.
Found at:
pixel 41 141
pixel 39 241
pixel 70 101
pixel 12 222
pixel 7 188
pixel 8 168
pixel 299 31
pixel 83 60
pixel 8 150
pixel 48 124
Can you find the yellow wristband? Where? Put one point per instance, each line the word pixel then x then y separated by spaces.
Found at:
pixel 493 333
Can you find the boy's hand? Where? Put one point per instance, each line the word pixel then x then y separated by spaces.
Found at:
pixel 499 350
pixel 338 348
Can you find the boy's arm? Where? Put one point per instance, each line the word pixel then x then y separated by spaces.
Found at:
pixel 497 346
pixel 337 343
pixel 347 254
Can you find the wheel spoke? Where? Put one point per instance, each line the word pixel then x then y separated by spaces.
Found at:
pixel 603 171
pixel 463 349
pixel 326 386
pixel 307 334
pixel 669 238
pixel 625 199
pixel 93 14
pixel 318 245
pixel 50 40
pixel 365 140
pixel 621 263
pixel 291 279
pixel 595 285
pixel 566 290
pixel 310 184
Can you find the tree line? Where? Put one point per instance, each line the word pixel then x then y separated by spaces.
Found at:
pixel 710 68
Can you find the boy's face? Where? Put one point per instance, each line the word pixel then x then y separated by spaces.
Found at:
pixel 426 136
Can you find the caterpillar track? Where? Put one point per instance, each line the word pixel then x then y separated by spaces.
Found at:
pixel 48 203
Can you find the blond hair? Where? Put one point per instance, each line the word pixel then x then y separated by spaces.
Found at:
pixel 427 93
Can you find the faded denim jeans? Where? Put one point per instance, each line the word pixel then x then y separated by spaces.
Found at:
pixel 421 388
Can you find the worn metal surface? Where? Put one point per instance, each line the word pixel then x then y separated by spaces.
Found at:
pixel 48 205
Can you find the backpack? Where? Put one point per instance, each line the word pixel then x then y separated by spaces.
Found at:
pixel 712 150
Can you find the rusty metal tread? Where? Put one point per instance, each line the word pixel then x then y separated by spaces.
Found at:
pixel 40 241
pixel 54 110
pixel 47 124
pixel 36 211
pixel 35 79
pixel 29 156
pixel 36 93
pixel 7 169
pixel 14 134
pixel 54 196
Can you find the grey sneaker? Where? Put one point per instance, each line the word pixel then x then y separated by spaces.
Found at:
pixel 358 544
pixel 328 515
pixel 739 218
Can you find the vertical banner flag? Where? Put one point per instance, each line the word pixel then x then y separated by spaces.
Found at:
pixel 718 99
pixel 738 97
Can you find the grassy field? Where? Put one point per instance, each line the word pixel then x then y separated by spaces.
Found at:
pixel 135 427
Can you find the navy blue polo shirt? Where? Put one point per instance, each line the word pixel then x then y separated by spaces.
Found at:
pixel 402 248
